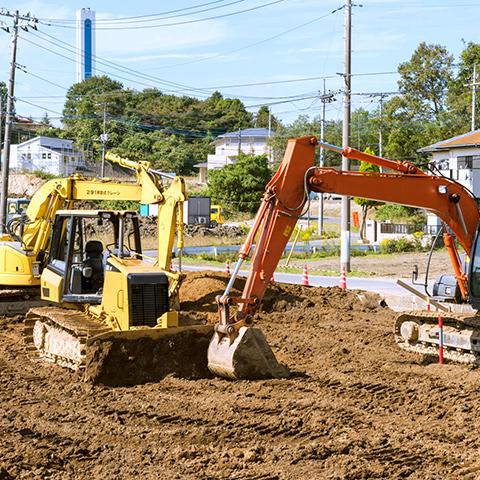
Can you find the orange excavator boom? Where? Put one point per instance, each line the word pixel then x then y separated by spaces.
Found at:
pixel 285 201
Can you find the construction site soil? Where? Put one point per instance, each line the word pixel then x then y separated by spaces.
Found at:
pixel 355 407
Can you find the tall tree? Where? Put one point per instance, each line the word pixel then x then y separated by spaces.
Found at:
pixel 424 81
pixel 263 119
pixel 419 116
pixel 459 98
pixel 83 110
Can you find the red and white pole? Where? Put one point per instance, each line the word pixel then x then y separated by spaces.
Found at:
pixel 440 340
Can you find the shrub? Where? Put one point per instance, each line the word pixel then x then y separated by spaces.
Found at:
pixel 403 244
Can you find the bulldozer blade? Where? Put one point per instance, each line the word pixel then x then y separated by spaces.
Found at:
pixel 248 357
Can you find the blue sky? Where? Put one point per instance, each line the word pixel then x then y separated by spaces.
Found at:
pixel 265 52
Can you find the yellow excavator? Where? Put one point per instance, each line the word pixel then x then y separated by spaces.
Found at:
pixel 99 289
pixel 25 248
pixel 88 265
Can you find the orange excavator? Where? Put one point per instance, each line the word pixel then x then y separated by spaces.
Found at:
pixel 239 350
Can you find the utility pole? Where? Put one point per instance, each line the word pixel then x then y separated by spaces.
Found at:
pixel 474 95
pixel 104 137
pixel 269 136
pixel 8 128
pixel 380 131
pixel 239 141
pixel 345 234
pixel 325 98
pixel 380 139
pixel 9 114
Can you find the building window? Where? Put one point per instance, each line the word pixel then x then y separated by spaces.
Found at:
pixel 49 155
pixel 465 162
pixel 44 156
pixel 29 156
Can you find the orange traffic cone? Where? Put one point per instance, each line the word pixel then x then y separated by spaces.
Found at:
pixel 305 276
pixel 227 267
pixel 343 279
pixel 272 279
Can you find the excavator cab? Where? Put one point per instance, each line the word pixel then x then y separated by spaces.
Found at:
pixel 82 244
pixel 474 273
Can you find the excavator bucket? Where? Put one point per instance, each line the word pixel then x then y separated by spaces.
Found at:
pixel 247 357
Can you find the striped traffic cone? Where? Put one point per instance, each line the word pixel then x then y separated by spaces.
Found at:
pixel 272 279
pixel 227 267
pixel 343 279
pixel 305 276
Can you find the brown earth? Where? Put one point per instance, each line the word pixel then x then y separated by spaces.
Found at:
pixel 356 406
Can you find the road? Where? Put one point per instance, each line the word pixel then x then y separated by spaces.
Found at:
pixel 377 285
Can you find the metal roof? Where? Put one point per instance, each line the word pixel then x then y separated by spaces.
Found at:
pixel 470 139
pixel 248 132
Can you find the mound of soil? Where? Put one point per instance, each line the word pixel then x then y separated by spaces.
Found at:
pixel 229 231
pixel 116 362
pixel 20 186
pixel 356 406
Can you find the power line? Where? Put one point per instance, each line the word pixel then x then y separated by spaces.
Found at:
pixel 186 22
pixel 124 19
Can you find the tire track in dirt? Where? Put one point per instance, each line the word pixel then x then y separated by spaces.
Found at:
pixel 356 406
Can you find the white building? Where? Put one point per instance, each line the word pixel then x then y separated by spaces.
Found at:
pixel 85 44
pixel 51 155
pixel 458 158
pixel 250 141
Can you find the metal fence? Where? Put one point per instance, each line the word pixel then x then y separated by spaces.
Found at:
pixel 408 228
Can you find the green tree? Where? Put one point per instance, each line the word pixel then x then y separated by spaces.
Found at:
pixel 264 119
pixel 45 120
pixel 240 186
pixel 301 127
pixel 424 81
pixel 366 204
pixel 459 96
pixel 419 116
pixel 84 108
pixel 227 114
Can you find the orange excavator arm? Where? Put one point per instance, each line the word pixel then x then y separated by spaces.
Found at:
pixel 287 195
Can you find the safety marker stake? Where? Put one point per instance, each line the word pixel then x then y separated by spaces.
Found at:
pixel 305 276
pixel 440 340
pixel 343 279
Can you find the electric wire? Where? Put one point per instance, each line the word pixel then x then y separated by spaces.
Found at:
pixel 186 22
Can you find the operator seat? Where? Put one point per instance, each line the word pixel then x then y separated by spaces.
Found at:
pixel 94 260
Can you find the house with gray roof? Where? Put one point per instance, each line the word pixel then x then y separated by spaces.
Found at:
pixel 227 146
pixel 458 158
pixel 51 155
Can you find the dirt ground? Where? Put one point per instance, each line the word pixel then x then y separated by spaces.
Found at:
pixel 355 407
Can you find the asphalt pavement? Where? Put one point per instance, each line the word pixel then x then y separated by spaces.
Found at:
pixel 381 286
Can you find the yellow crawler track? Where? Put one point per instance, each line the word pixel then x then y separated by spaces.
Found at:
pixel 418 332
pixel 60 335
